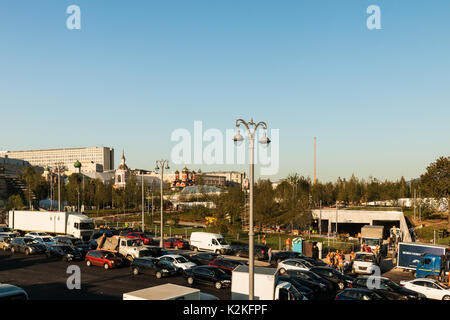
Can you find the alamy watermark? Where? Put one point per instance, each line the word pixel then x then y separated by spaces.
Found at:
pixel 215 147
pixel 74 280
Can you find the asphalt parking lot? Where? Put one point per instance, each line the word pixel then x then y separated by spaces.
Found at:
pixel 45 279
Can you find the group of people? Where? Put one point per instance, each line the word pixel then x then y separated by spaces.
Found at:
pixel 336 260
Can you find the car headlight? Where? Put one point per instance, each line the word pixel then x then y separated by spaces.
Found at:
pixel 165 270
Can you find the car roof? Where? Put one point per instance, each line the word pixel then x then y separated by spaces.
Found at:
pixel 358 289
pixel 424 279
pixel 172 255
pixel 7 289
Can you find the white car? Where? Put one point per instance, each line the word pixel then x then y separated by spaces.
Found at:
pixel 365 263
pixel 179 262
pixel 431 288
pixel 293 264
pixel 42 238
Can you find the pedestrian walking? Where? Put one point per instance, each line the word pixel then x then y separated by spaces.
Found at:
pixel 263 240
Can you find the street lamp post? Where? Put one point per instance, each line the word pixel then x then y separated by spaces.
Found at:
pixel 60 166
pixel 143 209
pixel 264 140
pixel 164 164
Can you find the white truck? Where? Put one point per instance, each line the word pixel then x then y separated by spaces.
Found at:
pixel 266 285
pixel 372 236
pixel 71 223
pixel 209 242
pixel 365 263
pixel 127 247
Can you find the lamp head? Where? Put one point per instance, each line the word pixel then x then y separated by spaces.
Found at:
pixel 264 140
pixel 238 137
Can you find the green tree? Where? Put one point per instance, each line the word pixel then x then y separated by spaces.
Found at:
pixel 436 181
pixel 15 202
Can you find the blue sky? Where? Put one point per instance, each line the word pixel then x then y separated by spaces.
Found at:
pixel 378 100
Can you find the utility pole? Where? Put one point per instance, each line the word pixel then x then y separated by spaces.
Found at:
pixel 320 217
pixel 336 219
pixel 414 204
pixel 143 212
pixel 420 207
pixel 164 165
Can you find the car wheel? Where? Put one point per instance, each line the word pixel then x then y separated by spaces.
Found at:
pixel 218 285
pixel 190 280
pixel 129 258
pixel 195 249
pixel 282 271
pixel 341 285
pixel 27 252
pixel 238 254
pixel 158 275
pixel 88 263
pixel 106 266
pixel 135 271
pixel 218 251
pixel 446 298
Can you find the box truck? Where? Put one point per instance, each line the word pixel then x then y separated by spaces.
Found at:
pixel 266 285
pixel 209 242
pixel 70 223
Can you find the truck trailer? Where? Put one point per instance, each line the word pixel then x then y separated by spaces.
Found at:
pixel 410 253
pixel 71 223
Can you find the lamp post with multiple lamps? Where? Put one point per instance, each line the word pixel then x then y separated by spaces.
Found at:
pixel 251 128
pixel 164 164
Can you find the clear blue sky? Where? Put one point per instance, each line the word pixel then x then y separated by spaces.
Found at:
pixel 378 101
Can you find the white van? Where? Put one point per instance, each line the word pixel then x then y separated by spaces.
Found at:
pixel 209 242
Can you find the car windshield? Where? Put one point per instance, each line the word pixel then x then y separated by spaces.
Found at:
pixel 76 242
pixel 109 255
pixel 391 284
pixel 371 242
pixel 46 239
pixel 311 275
pixel 222 241
pixel 365 258
pixel 219 272
pixel 181 260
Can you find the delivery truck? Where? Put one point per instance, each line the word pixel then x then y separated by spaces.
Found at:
pixel 266 285
pixel 71 223
pixel 410 254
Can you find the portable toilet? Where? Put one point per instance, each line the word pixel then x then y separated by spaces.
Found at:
pixel 297 245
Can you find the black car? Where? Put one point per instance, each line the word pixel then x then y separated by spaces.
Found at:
pixel 203 258
pixel 277 257
pixel 152 266
pixel 75 243
pixel 260 251
pixel 313 277
pixel 304 290
pixel 320 290
pixel 339 280
pixel 64 252
pixel 358 294
pixel 226 265
pixel 154 252
pixel 208 275
pixel 386 288
pixel 27 246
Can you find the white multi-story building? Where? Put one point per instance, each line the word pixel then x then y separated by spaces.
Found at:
pixel 95 158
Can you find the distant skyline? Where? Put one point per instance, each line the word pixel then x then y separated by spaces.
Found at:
pixel 377 100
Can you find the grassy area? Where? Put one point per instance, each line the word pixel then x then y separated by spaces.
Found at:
pixel 427 234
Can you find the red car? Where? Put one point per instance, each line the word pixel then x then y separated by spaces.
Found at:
pixel 144 237
pixel 226 265
pixel 169 243
pixel 180 243
pixel 101 258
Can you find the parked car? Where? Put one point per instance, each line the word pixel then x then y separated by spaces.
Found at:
pixel 5 243
pixel 226 265
pixel 178 261
pixel 64 252
pixel 105 259
pixel 260 251
pixel 180 243
pixel 358 294
pixel 365 263
pixel 204 258
pixel 75 243
pixel 320 290
pixel 208 275
pixel 339 280
pixel 311 276
pixel 155 252
pixel 431 288
pixel 387 288
pixel 144 237
pixel 10 292
pixel 277 257
pixel 293 264
pixel 304 290
pixel 27 246
pixel 152 266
